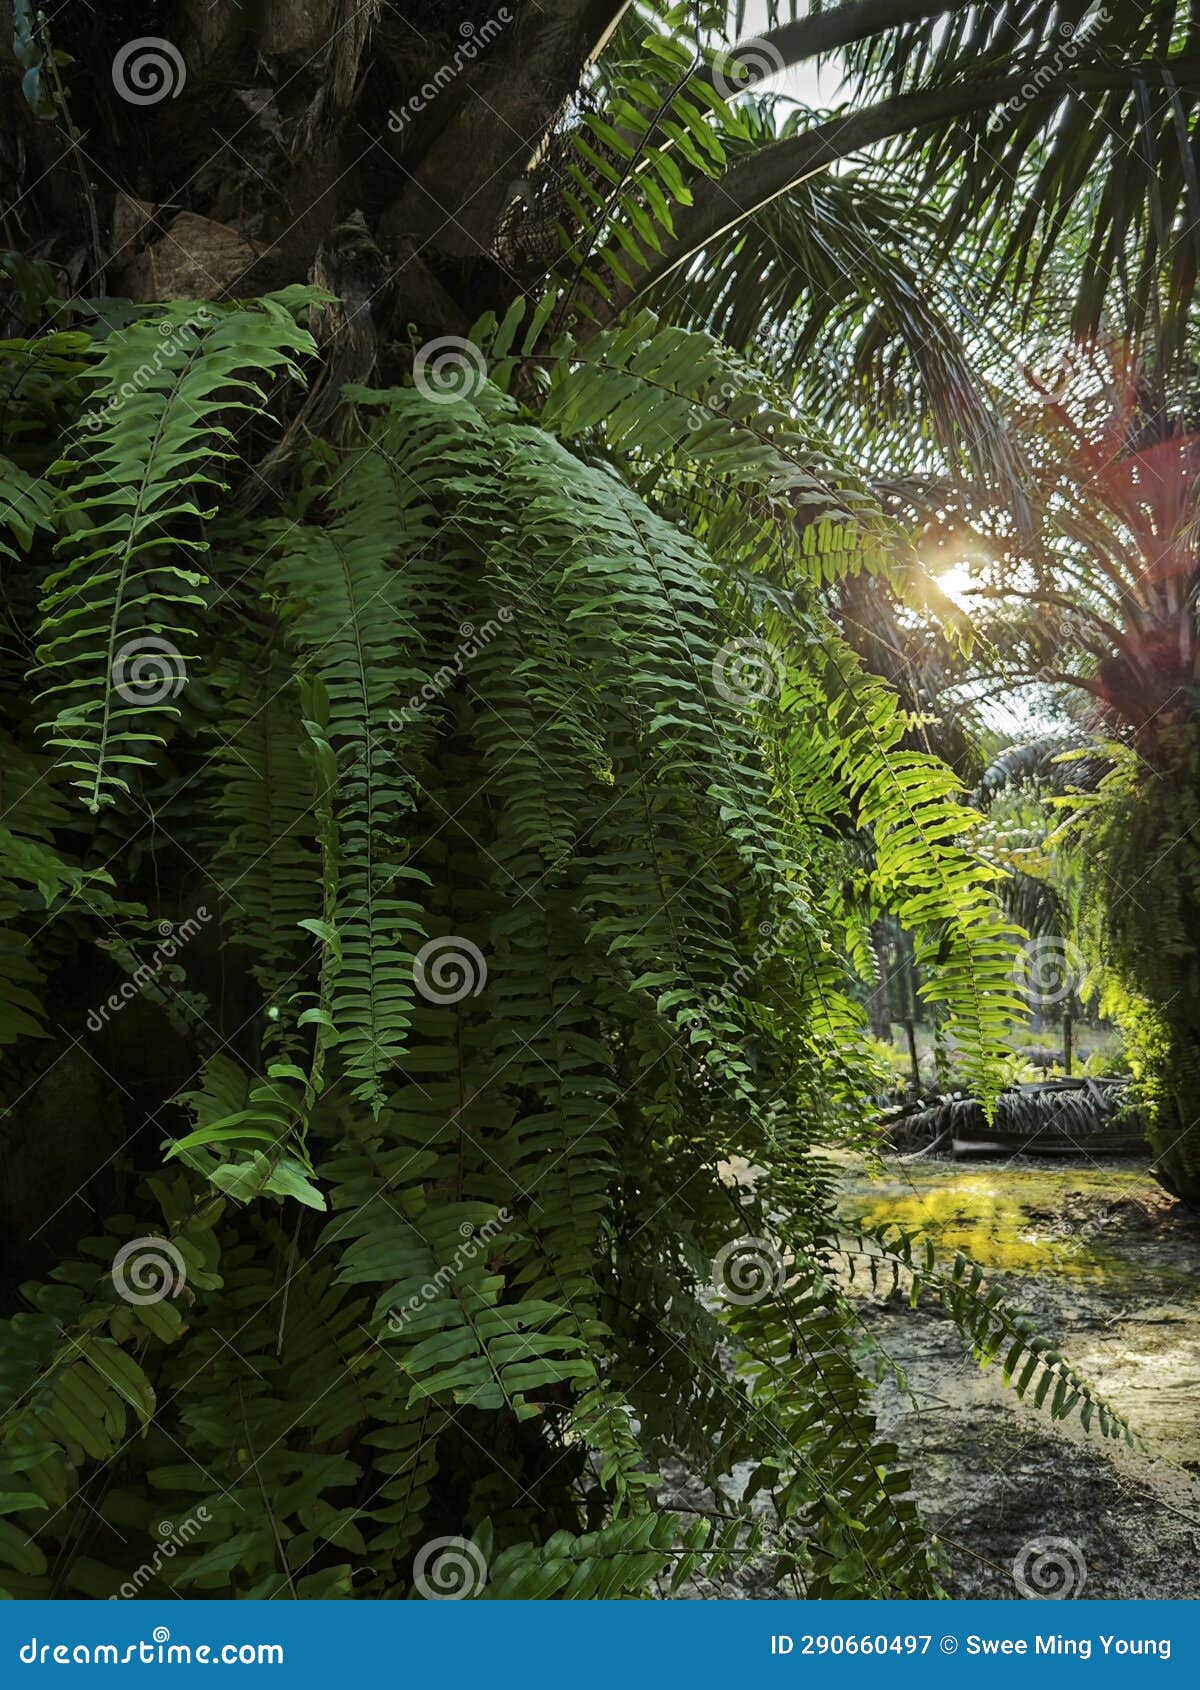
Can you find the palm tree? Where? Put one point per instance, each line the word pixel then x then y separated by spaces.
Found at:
pixel 1105 607
pixel 417 162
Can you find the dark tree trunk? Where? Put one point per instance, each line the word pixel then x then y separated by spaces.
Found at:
pixel 303 140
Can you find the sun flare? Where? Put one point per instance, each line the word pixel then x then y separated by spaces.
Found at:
pixel 959 585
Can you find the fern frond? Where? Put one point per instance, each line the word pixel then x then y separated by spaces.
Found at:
pixel 981 1312
pixel 137 486
pixel 349 605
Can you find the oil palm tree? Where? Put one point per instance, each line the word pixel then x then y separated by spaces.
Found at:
pixel 1105 608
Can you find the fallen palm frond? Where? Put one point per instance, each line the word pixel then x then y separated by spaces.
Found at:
pixel 1049 1116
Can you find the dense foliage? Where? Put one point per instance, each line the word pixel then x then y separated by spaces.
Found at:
pixel 444 815
pixel 536 939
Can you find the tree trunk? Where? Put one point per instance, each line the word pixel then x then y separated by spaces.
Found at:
pixel 304 140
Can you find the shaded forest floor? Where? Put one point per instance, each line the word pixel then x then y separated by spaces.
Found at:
pixel 1109 1268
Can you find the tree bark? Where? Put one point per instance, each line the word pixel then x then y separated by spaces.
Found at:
pixel 458 189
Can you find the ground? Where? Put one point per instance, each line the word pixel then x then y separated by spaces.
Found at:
pixel 1108 1265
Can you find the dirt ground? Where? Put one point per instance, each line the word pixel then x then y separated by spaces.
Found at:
pixel 1109 1267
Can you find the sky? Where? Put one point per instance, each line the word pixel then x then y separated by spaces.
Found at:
pixel 808 83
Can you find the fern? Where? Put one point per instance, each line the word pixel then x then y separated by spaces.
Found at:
pixel 37 884
pixel 24 507
pixel 136 488
pixel 347 602
pixel 1028 1362
pixel 448 1245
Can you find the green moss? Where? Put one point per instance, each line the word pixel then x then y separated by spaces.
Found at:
pixel 1008 1219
